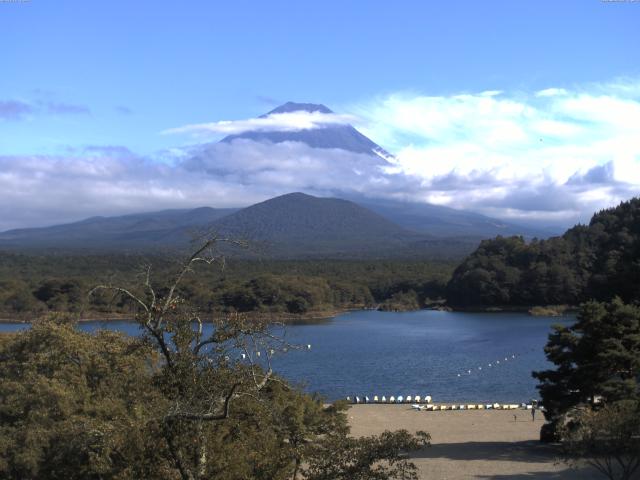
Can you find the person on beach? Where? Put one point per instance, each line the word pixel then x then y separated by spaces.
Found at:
pixel 533 413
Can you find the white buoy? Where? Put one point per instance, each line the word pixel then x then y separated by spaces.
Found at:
pixel 458 374
pixel 308 346
pixel 479 368
pixel 490 365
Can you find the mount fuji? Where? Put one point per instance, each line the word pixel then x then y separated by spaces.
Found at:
pixel 346 224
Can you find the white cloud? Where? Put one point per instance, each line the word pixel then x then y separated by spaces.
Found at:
pixel 551 92
pixel 491 93
pixel 294 166
pixel 513 155
pixel 283 122
pixel 46 190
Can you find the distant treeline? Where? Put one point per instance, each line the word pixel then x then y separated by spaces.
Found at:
pixel 596 261
pixel 31 284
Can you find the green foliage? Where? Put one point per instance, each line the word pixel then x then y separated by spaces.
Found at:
pixel 597 359
pixel 401 301
pixel 73 405
pixel 598 261
pixel 548 311
pixel 339 457
pixel 34 285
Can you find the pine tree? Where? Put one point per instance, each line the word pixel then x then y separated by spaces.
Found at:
pixel 597 359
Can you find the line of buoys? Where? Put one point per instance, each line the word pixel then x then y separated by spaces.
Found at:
pixel 490 365
pixel 271 351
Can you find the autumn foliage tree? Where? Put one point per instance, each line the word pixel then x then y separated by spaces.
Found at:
pixel 608 438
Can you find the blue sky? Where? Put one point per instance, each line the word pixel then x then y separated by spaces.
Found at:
pixel 116 74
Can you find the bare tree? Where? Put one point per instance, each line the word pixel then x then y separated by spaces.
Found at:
pixel 608 439
pixel 207 365
pixel 219 392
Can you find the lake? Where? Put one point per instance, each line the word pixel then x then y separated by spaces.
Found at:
pixel 452 356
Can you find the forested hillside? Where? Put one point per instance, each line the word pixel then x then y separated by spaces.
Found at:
pixel 31 285
pixel 596 261
pixel 291 226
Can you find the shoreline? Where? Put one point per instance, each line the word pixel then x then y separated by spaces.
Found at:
pixel 533 310
pixel 313 317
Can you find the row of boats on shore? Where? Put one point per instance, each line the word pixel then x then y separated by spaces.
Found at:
pixel 425 403
pixel 391 399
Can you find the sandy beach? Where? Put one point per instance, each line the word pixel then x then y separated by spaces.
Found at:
pixel 482 444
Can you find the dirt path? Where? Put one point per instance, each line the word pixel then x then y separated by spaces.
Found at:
pixel 483 444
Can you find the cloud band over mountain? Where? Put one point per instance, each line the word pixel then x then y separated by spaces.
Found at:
pixel 275 122
pixel 552 156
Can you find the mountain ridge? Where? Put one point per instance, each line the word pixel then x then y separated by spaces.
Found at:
pixel 294 225
pixel 341 136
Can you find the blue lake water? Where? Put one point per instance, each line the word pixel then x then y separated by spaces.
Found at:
pixel 413 353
